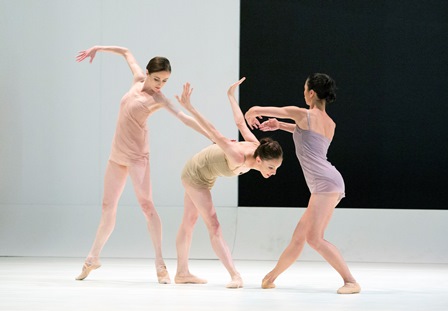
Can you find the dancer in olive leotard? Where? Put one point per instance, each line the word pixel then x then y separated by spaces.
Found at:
pixel 226 158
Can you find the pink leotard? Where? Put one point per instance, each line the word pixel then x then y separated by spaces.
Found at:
pixel 130 143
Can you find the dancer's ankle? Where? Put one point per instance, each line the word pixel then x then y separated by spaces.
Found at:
pixel 91 260
pixel 269 278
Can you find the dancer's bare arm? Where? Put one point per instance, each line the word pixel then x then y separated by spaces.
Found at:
pixel 186 119
pixel 238 114
pixel 137 72
pixel 287 112
pixel 230 148
pixel 273 124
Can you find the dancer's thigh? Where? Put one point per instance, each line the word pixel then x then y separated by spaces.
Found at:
pixel 140 176
pixel 202 200
pixel 114 182
pixel 320 210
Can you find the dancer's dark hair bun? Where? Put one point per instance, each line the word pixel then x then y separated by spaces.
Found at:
pixel 323 85
pixel 268 149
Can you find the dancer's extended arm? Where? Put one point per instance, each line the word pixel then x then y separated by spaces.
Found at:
pixel 287 112
pixel 229 147
pixel 273 124
pixel 238 115
pixel 137 72
pixel 186 119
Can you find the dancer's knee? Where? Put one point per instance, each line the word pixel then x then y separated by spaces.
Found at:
pixel 189 220
pixel 108 212
pixel 297 241
pixel 214 227
pixel 314 240
pixel 109 206
pixel 148 209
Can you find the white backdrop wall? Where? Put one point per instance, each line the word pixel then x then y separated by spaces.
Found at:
pixel 57 119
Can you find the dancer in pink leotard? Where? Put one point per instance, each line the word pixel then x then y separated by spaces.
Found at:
pixel 130 152
pixel 313 132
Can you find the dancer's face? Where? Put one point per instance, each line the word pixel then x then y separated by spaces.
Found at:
pixel 269 167
pixel 157 80
pixel 306 93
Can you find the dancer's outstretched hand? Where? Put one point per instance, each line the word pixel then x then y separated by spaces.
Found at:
pixel 232 88
pixel 252 118
pixel 86 53
pixel 184 99
pixel 270 125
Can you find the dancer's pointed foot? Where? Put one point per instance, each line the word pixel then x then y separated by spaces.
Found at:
pixel 350 288
pixel 267 283
pixel 86 269
pixel 188 279
pixel 237 282
pixel 162 275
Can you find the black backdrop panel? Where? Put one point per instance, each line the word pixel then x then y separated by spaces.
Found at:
pixel 390 62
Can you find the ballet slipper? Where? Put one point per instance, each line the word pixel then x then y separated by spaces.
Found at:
pixel 188 279
pixel 349 288
pixel 237 282
pixel 266 283
pixel 162 275
pixel 86 269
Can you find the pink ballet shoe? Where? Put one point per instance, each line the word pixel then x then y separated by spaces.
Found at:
pixel 162 275
pixel 237 282
pixel 349 288
pixel 86 269
pixel 266 283
pixel 188 279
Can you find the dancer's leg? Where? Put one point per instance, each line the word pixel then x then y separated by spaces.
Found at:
pixel 291 252
pixel 311 229
pixel 114 182
pixel 183 243
pixel 140 176
pixel 321 207
pixel 202 199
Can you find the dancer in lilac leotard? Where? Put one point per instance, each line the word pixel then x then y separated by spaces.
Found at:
pixel 312 132
pixel 311 150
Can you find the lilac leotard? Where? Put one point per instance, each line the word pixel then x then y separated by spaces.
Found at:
pixel 311 150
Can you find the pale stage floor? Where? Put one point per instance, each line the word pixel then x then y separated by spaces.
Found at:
pixel 30 283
